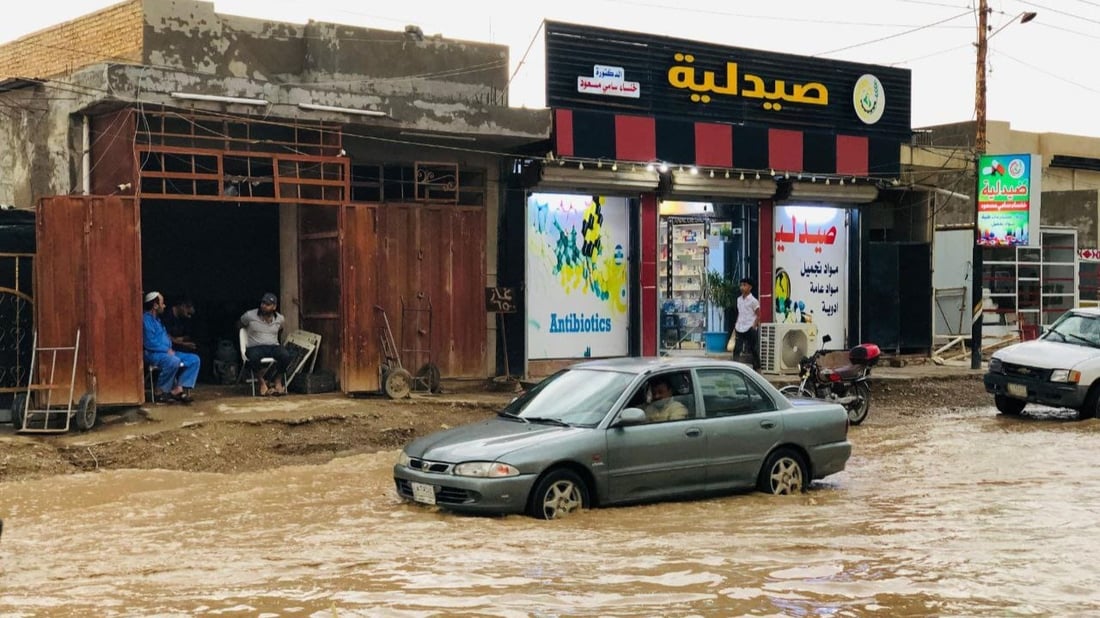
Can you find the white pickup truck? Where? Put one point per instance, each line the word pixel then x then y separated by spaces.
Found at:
pixel 1060 369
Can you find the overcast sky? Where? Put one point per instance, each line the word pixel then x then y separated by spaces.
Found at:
pixel 1041 77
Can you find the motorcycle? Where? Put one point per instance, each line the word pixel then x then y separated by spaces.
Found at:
pixel 825 375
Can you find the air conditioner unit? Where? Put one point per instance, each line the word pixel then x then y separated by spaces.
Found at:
pixel 783 345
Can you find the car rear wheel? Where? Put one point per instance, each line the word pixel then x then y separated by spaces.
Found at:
pixel 558 494
pixel 783 473
pixel 1011 407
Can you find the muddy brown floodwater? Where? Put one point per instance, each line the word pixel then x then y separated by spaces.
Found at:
pixel 943 512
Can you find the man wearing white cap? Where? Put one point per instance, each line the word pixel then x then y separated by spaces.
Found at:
pixel 178 370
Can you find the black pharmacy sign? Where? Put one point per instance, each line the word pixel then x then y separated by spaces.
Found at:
pixel 626 72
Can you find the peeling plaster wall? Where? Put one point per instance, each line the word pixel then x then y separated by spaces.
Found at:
pixel 40 141
pixel 189 36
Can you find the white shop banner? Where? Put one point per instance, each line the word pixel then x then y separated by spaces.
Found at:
pixel 577 276
pixel 811 269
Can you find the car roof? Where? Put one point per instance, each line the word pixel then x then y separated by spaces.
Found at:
pixel 650 364
pixel 1087 310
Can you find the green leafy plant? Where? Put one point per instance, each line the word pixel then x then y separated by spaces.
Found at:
pixel 721 292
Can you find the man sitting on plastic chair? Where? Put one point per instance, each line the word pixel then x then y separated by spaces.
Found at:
pixel 263 326
pixel 177 370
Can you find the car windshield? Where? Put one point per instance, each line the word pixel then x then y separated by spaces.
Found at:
pixel 1075 328
pixel 573 396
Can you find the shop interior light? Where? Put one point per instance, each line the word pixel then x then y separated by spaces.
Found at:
pixel 742 175
pixel 649 167
pixel 826 182
pixel 758 175
pixel 694 170
pixel 663 167
pixel 712 173
pixel 580 165
pixel 615 167
pixel 191 96
pixel 727 173
pixel 342 110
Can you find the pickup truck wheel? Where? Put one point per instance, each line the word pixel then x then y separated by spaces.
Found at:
pixel 1091 403
pixel 1009 406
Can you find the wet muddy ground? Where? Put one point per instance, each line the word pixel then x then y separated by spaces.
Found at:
pixel 946 508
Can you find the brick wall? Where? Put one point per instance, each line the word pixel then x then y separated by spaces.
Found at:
pixel 114 34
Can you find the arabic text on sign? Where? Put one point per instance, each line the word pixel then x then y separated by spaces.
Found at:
pixel 684 76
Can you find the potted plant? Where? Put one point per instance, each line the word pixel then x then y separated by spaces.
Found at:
pixel 721 294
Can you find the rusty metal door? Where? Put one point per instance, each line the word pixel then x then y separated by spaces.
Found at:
pixel 319 279
pixel 359 287
pixel 88 277
pixel 437 253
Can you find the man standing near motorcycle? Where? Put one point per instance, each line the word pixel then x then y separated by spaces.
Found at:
pixel 748 324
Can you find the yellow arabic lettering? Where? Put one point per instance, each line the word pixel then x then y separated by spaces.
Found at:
pixel 801 93
pixel 757 91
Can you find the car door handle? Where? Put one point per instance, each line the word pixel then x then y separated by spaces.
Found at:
pixel 694 432
pixel 767 424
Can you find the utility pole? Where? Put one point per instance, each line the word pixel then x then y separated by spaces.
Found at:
pixel 979 149
pixel 979 80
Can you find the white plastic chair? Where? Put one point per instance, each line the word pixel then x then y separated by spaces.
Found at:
pixel 265 362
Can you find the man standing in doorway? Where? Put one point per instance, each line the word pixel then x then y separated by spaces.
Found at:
pixel 748 324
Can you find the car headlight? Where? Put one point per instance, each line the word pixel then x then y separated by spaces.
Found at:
pixel 403 459
pixel 995 365
pixel 1065 375
pixel 485 469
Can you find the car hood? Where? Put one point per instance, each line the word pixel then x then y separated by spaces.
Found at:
pixel 1047 354
pixel 485 441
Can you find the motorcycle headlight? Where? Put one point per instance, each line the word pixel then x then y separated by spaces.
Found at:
pixel 485 469
pixel 1068 376
pixel 403 459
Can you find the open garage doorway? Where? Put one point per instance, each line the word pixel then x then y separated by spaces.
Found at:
pixel 222 255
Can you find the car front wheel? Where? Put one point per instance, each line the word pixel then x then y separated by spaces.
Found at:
pixel 1092 404
pixel 1008 405
pixel 558 494
pixel 783 473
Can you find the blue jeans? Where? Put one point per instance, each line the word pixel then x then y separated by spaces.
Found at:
pixel 178 368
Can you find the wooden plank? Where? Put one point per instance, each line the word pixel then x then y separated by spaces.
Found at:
pixel 359 285
pixel 112 340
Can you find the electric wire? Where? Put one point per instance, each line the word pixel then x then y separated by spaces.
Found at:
pixel 894 36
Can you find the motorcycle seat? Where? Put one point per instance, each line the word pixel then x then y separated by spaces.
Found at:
pixel 847 372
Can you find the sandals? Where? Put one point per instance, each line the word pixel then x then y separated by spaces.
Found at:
pixel 164 398
pixel 184 397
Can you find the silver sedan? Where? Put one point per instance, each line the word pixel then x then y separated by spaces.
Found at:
pixel 628 430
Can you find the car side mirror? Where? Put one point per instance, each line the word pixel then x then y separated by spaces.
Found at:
pixel 631 416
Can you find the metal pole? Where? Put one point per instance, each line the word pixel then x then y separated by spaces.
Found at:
pixel 979 148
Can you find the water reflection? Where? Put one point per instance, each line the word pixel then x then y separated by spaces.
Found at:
pixel 959 513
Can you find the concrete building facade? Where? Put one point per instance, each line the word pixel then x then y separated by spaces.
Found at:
pixel 343 167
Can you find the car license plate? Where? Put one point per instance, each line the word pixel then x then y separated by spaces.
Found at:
pixel 1017 390
pixel 423 493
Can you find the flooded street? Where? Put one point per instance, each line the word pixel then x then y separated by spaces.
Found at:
pixel 961 513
